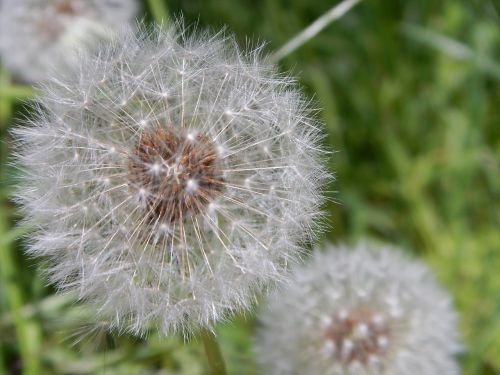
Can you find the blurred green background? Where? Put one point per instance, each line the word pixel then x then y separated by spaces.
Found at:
pixel 409 93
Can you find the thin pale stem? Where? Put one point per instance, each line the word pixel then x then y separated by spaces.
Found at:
pixel 312 30
pixel 214 354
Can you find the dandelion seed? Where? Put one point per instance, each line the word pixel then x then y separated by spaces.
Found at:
pixel 194 217
pixel 357 333
pixel 38 36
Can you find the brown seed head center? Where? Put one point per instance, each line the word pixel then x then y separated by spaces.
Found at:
pixel 51 25
pixel 177 173
pixel 359 335
pixel 65 7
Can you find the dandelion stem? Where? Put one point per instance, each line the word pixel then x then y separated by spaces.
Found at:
pixel 159 10
pixel 214 355
pixel 313 29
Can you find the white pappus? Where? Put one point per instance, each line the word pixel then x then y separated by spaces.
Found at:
pixel 359 311
pixel 38 37
pixel 171 178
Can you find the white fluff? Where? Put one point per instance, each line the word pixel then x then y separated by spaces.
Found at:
pixel 313 325
pixel 38 36
pixel 92 217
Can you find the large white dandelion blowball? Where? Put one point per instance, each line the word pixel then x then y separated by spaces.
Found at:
pixel 359 311
pixel 38 36
pixel 171 178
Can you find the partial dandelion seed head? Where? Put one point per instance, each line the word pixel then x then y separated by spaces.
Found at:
pixel 39 36
pixel 359 311
pixel 172 177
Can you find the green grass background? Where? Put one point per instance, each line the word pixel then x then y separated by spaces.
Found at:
pixel 409 93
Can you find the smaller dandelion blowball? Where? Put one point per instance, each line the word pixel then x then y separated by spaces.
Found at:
pixel 171 177
pixel 38 36
pixel 357 311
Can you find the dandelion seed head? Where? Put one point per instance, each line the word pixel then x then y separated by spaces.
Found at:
pixel 38 36
pixel 188 216
pixel 369 312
